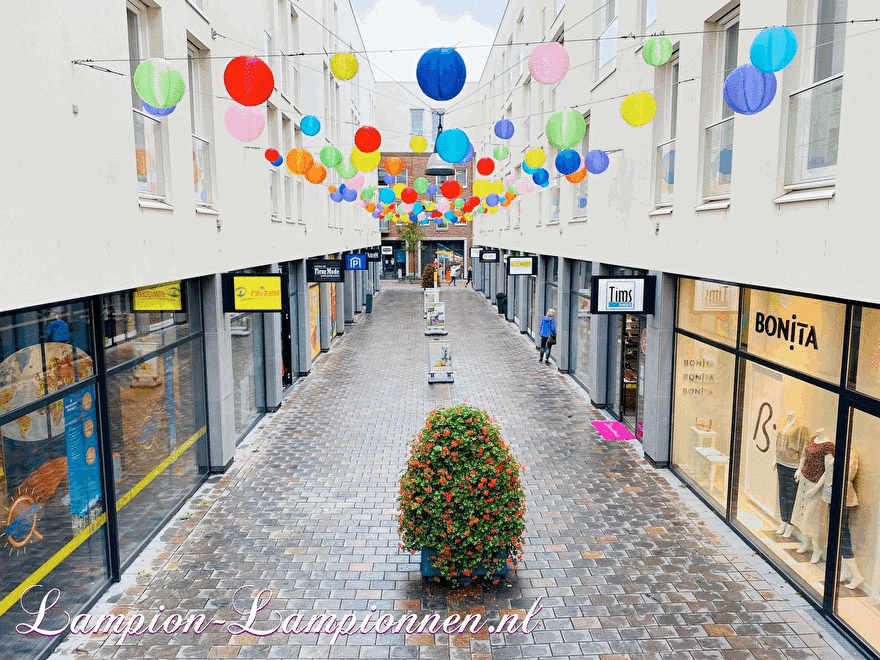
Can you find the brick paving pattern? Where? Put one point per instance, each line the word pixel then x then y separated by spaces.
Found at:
pixel 624 567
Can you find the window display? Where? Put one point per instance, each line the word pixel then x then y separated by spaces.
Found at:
pixel 580 336
pixel 864 377
pixel 708 309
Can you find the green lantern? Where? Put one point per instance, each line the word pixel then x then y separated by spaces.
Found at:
pixel 158 83
pixel 420 185
pixel 657 51
pixel 566 129
pixel 458 203
pixel 331 156
pixel 346 170
pixel 500 153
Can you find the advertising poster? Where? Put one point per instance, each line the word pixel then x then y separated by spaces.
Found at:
pixel 80 435
pixel 314 318
pixel 333 309
pixel 762 415
pixel 440 362
pixel 436 315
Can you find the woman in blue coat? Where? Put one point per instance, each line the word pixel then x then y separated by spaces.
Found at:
pixel 546 329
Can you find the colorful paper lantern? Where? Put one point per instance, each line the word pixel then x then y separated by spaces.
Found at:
pixel 349 194
pixel 535 157
pixel 272 155
pixel 485 166
pixel 492 199
pixel 638 108
pixel 657 51
pixel 441 74
pixel 497 187
pixel 548 63
pixel 527 169
pixel 365 162
pixel 596 161
pixel 566 129
pixel 367 139
pixel 432 189
pixel 409 195
pixel 418 144
pixel 346 169
pixel 504 129
pixel 386 196
pixel 748 90
pixel 336 196
pixel 480 188
pixel 278 161
pixel 158 83
pixel 541 177
pixel 330 156
pixel 568 161
pixel 310 125
pixel 299 160
pixel 157 112
pixel 356 181
pixel 394 166
pixel 316 173
pixel 420 185
pixel 773 49
pixel 398 188
pixel 249 80
pixel 468 157
pixel 453 145
pixel 500 153
pixel 450 189
pixel 243 123
pixel 344 66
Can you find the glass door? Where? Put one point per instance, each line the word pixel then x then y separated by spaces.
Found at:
pixel 615 364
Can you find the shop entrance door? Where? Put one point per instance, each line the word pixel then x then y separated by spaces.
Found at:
pixel 626 369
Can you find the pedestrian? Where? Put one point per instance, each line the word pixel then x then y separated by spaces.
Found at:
pixel 57 329
pixel 470 276
pixel 454 273
pixel 547 332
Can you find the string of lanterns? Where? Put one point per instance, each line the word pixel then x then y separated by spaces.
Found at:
pixel 441 76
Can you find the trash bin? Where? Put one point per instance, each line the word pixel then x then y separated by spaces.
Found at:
pixel 369 303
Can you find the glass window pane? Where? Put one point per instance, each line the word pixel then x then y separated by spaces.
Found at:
pixel 708 309
pixel 788 429
pixel 718 163
pixel 247 369
pixel 579 362
pixel 802 333
pixel 865 374
pixel 814 130
pixel 702 408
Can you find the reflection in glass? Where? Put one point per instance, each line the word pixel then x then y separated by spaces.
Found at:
pixel 580 334
pixel 718 160
pixel 247 370
pixel 708 309
pixel 864 373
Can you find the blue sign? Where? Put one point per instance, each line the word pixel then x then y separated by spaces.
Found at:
pixel 356 261
pixel 80 434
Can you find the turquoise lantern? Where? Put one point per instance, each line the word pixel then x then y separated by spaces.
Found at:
pixel 773 49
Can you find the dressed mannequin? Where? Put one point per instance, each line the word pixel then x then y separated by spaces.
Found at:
pixel 849 570
pixel 790 442
pixel 810 514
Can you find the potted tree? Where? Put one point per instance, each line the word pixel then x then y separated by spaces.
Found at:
pixel 461 502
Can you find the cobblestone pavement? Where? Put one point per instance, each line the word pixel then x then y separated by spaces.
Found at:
pixel 626 567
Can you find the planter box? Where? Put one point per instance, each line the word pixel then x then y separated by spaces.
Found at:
pixel 428 569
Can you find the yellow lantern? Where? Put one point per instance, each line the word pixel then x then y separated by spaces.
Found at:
pixel 535 158
pixel 492 210
pixel 418 144
pixel 481 188
pixel 344 66
pixel 365 162
pixel 398 188
pixel 497 187
pixel 638 108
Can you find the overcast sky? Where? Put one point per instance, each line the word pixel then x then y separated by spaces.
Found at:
pixel 424 24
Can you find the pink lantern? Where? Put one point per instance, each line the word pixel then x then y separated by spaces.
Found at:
pixel 548 63
pixel 443 205
pixel 510 179
pixel 355 182
pixel 244 123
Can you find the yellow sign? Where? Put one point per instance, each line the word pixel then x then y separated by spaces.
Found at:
pixel 257 293
pixel 158 298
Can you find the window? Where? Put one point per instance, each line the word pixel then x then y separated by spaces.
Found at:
pixel 198 70
pixel 722 49
pixel 606 44
pixel 287 141
pixel 417 122
pixel 148 134
pixel 649 12
pixel 559 5
pixel 435 125
pixel 527 98
pixel 274 176
pixel 579 204
pixel 461 175
pixel 665 165
pixel 814 110
pixel 521 38
pixel 294 48
pixel 403 177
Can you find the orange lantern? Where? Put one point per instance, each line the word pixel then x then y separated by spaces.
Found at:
pixel 370 207
pixel 299 160
pixel 331 188
pixel 394 166
pixel 577 177
pixel 316 173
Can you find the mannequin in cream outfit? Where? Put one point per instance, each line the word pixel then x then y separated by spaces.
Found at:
pixel 810 512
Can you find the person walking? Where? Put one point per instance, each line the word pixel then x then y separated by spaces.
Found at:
pixel 470 276
pixel 454 273
pixel 547 332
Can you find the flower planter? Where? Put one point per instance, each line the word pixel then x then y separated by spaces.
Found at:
pixel 429 571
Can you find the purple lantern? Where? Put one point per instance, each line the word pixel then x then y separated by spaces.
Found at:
pixel 349 194
pixel 336 196
pixel 504 129
pixel 596 161
pixel 748 90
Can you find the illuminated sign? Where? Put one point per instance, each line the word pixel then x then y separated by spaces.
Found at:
pixel 623 295
pixel 324 270
pixel 490 256
pixel 522 266
pixel 159 298
pixel 357 261
pixel 254 293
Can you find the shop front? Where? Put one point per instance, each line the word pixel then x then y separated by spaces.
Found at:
pixel 103 420
pixel 579 347
pixel 775 421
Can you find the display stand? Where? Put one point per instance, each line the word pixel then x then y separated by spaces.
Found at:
pixel 711 471
pixel 436 313
pixel 699 439
pixel 432 295
pixel 440 362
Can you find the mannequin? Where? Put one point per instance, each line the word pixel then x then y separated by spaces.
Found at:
pixel 849 570
pixel 790 442
pixel 810 514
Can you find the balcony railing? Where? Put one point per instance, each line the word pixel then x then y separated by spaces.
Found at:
pixel 813 132
pixel 148 154
pixel 718 159
pixel 665 172
pixel 202 170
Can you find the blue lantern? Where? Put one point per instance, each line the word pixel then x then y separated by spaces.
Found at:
pixel 504 129
pixel 441 75
pixel 453 145
pixel 468 158
pixel 773 49
pixel 376 213
pixel 492 199
pixel 527 169
pixel 453 219
pixel 349 194
pixel 449 215
pixel 568 161
pixel 432 189
pixel 418 208
pixel 748 90
pixel 387 196
pixel 310 125
pixel 541 177
pixel 390 180
pixel 596 161
pixel 278 162
pixel 157 112
pixel 336 196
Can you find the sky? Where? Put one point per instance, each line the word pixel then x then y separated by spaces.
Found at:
pixel 424 24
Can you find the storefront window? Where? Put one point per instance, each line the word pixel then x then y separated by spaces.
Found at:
pixel 247 370
pixel 580 336
pixel 864 376
pixel 333 331
pixel 702 408
pixel 708 309
pixel 858 597
pixel 803 333
pixel 788 429
pixel 315 318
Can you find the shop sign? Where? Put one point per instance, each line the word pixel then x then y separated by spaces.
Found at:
pixel 254 293
pixel 356 261
pixel 714 297
pixel 475 252
pixel 159 298
pixel 387 249
pixel 324 270
pixel 786 329
pixel 622 295
pixel 373 254
pixel 490 256
pixel 522 266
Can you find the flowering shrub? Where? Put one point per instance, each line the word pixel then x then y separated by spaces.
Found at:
pixel 461 496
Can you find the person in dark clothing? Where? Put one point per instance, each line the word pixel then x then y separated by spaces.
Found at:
pixel 546 330
pixel 470 276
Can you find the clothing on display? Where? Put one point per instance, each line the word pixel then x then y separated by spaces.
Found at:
pixel 810 513
pixel 790 442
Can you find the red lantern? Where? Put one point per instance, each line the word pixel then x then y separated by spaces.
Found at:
pixel 409 195
pixel 272 155
pixel 248 80
pixel 367 139
pixel 450 189
pixel 485 166
pixel 473 202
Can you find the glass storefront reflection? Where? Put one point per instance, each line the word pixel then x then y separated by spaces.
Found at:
pixel 247 370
